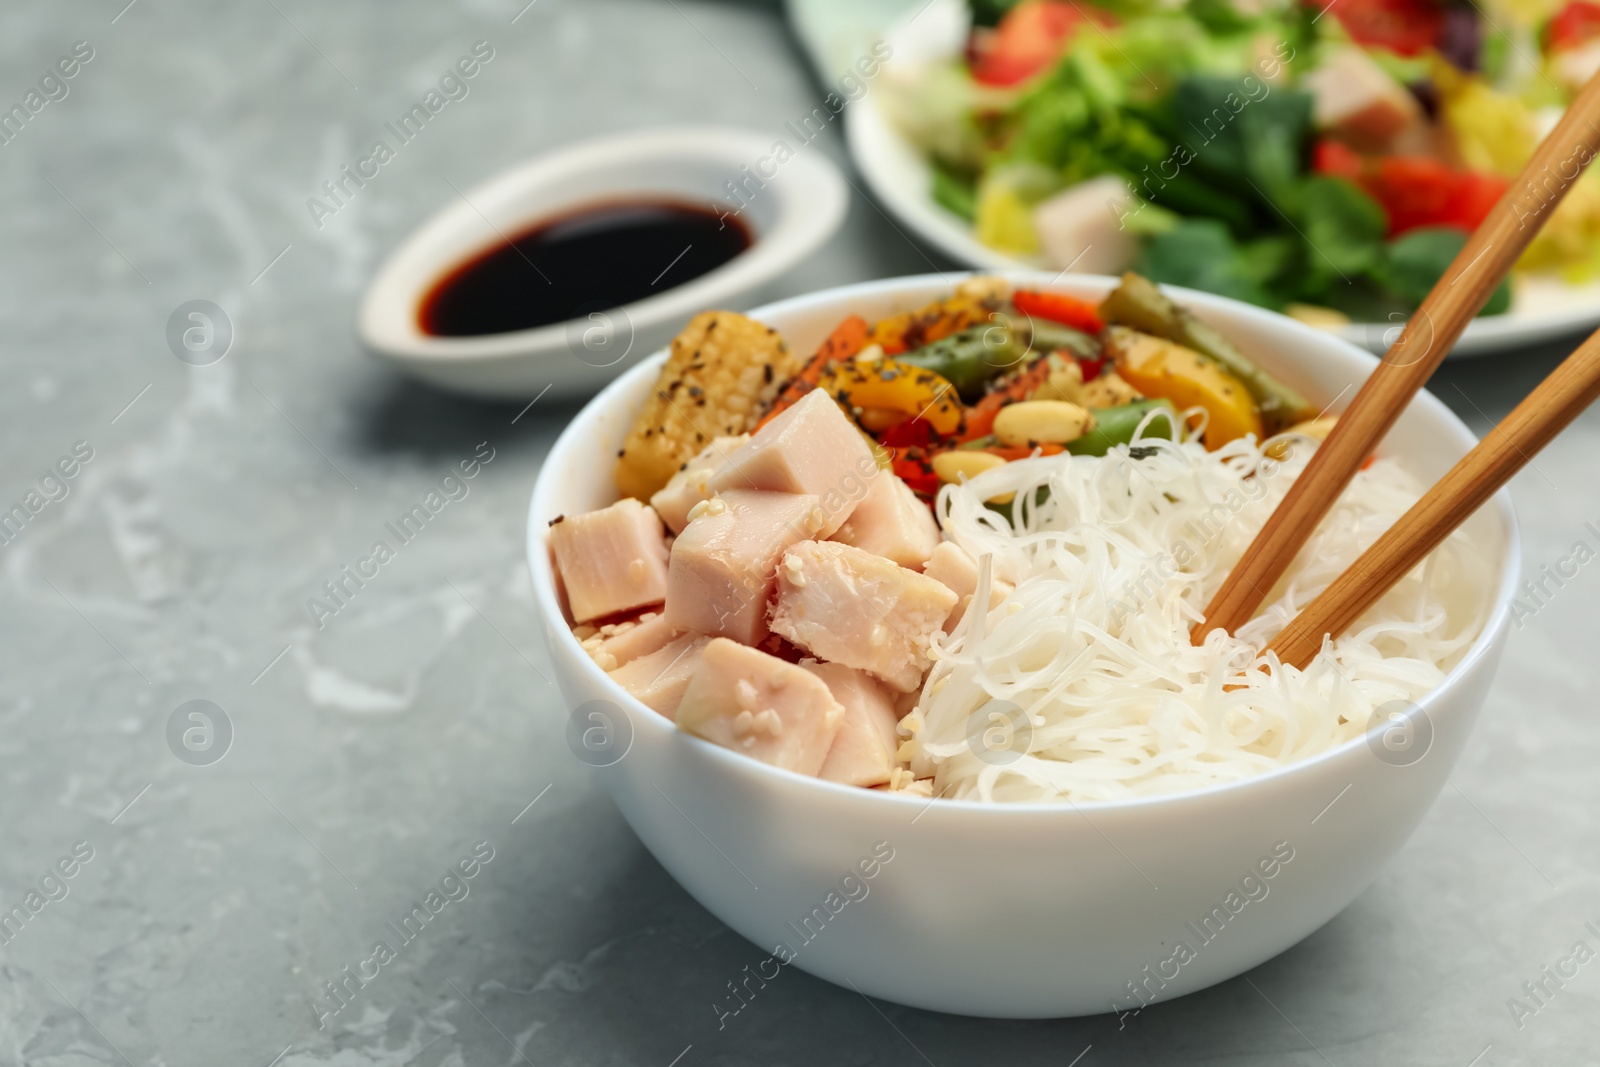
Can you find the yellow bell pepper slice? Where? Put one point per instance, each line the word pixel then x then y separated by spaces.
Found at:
pixel 938 320
pixel 887 385
pixel 1164 369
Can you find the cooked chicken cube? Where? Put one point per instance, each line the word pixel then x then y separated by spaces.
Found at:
pixel 659 679
pixel 1082 227
pixel 1573 67
pixel 743 699
pixel 720 578
pixel 611 560
pixel 848 606
pixel 614 644
pixel 689 486
pixel 891 522
pixel 1357 100
pixel 954 567
pixel 863 751
pixel 813 447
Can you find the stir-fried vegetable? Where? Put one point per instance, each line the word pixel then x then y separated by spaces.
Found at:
pixel 913 329
pixel 1045 336
pixel 848 338
pixel 1158 367
pixel 994 377
pixel 1058 307
pixel 1138 303
pixel 1116 426
pixel 723 371
pixel 969 360
pixel 886 392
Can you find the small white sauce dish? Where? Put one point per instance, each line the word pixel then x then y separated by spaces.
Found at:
pixel 1017 910
pixel 789 209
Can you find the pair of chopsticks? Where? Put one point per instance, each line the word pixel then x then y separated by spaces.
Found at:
pixel 1426 339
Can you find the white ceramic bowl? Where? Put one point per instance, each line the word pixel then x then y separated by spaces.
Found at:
pixel 1023 910
pixel 789 213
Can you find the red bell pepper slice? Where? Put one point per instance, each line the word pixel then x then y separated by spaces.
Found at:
pixel 1057 307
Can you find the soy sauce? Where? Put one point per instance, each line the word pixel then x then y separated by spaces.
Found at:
pixel 601 256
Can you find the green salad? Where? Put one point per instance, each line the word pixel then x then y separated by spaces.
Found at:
pixel 1326 160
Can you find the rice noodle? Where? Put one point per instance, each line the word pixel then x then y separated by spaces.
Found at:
pixel 1087 667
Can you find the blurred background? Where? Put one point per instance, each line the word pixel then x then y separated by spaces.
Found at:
pixel 217 888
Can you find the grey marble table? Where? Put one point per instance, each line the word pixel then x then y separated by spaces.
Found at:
pixel 185 912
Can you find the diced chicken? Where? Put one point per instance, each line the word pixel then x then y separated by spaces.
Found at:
pixel 955 568
pixel 814 448
pixel 1573 67
pixel 848 606
pixel 1082 227
pixel 743 699
pixel 690 485
pixel 1355 99
pixel 660 678
pixel 891 522
pixel 863 751
pixel 611 560
pixel 614 644
pixel 721 575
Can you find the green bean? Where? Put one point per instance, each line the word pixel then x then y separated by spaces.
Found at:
pixel 1115 426
pixel 1138 303
pixel 1049 337
pixel 969 359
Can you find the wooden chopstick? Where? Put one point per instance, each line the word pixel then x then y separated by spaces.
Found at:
pixel 1569 389
pixel 1427 338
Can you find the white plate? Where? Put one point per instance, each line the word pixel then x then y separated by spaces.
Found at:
pixel 1542 308
pixel 789 215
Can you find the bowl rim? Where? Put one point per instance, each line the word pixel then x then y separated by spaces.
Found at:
pixel 808 194
pixel 548 603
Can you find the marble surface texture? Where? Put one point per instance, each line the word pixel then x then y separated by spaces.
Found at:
pixel 412 730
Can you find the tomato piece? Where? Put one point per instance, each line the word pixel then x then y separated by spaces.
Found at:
pixel 1475 198
pixel 1406 27
pixel 1057 307
pixel 1576 24
pixel 1337 159
pixel 1414 191
pixel 1029 39
pixel 1417 191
